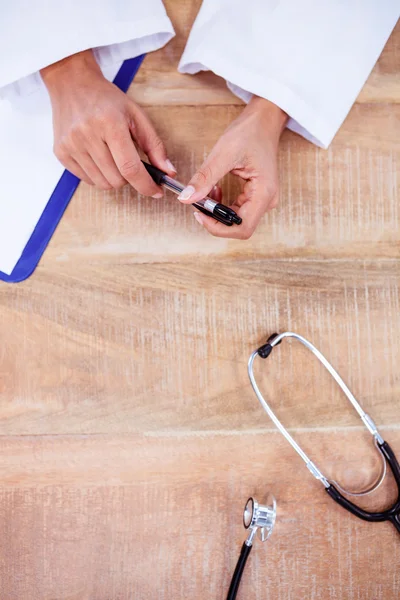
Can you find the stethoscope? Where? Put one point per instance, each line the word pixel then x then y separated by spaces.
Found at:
pixel 262 518
pixel 335 491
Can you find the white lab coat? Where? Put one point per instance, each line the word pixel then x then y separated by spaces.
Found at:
pixel 310 57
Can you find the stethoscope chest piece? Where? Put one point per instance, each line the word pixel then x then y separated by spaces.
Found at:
pixel 257 518
pixel 260 518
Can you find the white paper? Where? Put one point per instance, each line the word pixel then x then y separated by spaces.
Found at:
pixel 29 170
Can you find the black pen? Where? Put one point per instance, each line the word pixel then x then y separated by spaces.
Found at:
pixel 207 205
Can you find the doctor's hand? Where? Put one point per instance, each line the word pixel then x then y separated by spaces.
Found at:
pixel 248 149
pixel 95 125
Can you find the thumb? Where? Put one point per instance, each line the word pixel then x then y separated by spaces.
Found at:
pixel 211 171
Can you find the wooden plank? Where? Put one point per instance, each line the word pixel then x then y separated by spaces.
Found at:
pixel 119 347
pixel 383 85
pixel 156 518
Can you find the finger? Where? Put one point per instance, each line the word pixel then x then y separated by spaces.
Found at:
pixel 254 203
pixel 130 166
pixel 251 205
pixel 85 161
pixel 143 131
pixel 214 227
pixel 238 232
pixel 263 192
pixel 216 193
pixel 72 166
pixel 217 164
pixel 218 229
pixel 240 200
pixel 103 159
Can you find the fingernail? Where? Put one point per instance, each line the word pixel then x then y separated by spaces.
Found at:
pixel 170 166
pixel 186 193
pixel 158 195
pixel 198 217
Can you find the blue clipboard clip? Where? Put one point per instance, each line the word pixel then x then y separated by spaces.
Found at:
pixel 60 198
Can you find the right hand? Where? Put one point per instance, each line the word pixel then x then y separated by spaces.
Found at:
pixel 95 125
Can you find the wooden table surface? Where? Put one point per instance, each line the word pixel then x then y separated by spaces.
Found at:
pixel 130 435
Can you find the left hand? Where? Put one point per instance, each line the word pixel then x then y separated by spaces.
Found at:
pixel 248 148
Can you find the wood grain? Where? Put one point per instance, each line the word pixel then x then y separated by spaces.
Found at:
pixel 130 347
pixel 151 517
pixel 130 437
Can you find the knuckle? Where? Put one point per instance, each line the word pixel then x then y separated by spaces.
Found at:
pixel 104 186
pixel 203 175
pixel 76 135
pixel 118 183
pixel 273 203
pixel 130 169
pixel 86 129
pixel 155 143
pixel 110 115
pixel 272 189
pixel 116 133
pixel 61 151
pixel 131 124
pixel 113 125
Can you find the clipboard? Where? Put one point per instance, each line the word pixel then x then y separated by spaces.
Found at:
pixel 60 198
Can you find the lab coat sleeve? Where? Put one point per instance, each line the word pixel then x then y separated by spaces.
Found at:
pixel 35 35
pixel 309 57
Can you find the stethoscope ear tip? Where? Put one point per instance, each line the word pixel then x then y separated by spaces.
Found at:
pixel 265 350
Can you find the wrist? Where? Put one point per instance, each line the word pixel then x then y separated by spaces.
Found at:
pixel 78 68
pixel 273 118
